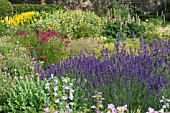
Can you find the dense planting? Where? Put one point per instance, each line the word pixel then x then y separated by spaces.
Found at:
pixel 148 68
pixel 74 61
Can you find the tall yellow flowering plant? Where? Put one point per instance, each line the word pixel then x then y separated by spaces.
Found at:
pixel 20 19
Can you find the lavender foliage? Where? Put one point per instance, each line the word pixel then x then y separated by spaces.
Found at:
pixel 148 67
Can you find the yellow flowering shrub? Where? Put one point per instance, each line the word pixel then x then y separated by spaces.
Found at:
pixel 163 31
pixel 20 19
pixel 72 22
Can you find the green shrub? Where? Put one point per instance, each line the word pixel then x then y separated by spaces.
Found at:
pixel 6 29
pixel 155 21
pixel 6 8
pixel 131 29
pixel 15 60
pixel 49 45
pixel 72 22
pixel 84 30
pixel 25 96
pixel 20 8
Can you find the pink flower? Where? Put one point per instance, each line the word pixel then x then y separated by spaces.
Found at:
pixel 47 110
pixel 97 111
pixel 125 107
pixel 111 106
pixel 151 110
pixel 55 111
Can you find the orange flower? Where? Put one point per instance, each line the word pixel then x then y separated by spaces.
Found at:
pixel 43 57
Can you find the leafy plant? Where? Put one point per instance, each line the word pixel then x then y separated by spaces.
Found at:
pixel 72 22
pixel 15 59
pixel 48 46
pixel 20 8
pixel 155 21
pixel 6 8
pixel 26 95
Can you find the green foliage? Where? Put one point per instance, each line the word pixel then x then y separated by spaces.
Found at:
pixel 20 8
pixel 84 30
pixel 5 29
pixel 92 44
pixel 117 11
pixel 130 29
pixel 138 29
pixel 6 8
pixel 25 96
pixel 155 21
pixel 49 46
pixel 15 60
pixel 72 22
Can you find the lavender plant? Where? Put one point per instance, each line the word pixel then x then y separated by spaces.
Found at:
pixel 123 77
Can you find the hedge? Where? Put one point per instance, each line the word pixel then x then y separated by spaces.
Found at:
pixel 19 8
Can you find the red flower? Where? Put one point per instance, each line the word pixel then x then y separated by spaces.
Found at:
pixel 28 47
pixel 43 57
pixel 37 48
pixel 68 41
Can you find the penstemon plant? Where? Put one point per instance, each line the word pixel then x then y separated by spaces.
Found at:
pixel 61 92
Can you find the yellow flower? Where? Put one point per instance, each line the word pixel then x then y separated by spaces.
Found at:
pixel 20 18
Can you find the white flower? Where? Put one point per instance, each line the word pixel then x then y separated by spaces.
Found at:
pixel 94 96
pixel 168 100
pixel 15 70
pixel 101 106
pixel 67 87
pixel 167 105
pixel 47 86
pixel 71 97
pixel 55 94
pixel 52 75
pixel 71 90
pixel 61 103
pixel 164 106
pixel 161 111
pixel 93 107
pixel 55 88
pixel 56 100
pixel 55 81
pixel 71 103
pixel 161 100
pixel 64 97
pixel 67 106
